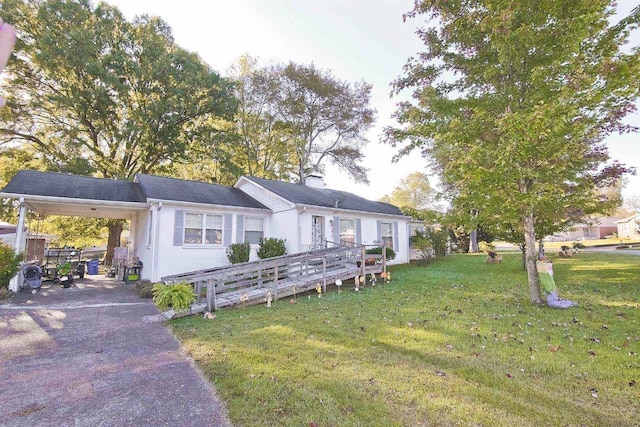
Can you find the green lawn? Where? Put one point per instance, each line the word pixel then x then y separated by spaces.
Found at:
pixel 454 343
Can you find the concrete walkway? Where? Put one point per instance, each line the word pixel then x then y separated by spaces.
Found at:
pixel 83 357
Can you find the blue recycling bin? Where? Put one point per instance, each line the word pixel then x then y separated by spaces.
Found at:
pixel 92 267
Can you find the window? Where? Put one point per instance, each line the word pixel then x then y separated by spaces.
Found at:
pixel 202 229
pixel 386 234
pixel 253 230
pixel 347 232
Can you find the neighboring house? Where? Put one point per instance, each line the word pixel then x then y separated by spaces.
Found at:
pixel 594 228
pixel 629 228
pixel 8 234
pixel 179 225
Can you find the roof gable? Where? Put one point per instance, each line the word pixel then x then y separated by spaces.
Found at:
pixel 323 197
pixel 180 190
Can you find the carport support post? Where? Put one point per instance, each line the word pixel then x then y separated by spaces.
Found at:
pixel 16 281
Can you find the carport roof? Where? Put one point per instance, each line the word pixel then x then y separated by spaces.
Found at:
pixel 51 193
pixel 51 184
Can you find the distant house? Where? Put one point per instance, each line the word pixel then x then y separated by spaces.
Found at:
pixel 593 228
pixel 629 228
pixel 180 225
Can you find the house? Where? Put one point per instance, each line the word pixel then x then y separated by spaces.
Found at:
pixel 629 228
pixel 593 228
pixel 178 225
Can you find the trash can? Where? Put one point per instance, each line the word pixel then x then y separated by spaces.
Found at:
pixel 92 267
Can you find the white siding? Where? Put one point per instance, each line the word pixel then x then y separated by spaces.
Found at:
pixel 285 225
pixel 179 259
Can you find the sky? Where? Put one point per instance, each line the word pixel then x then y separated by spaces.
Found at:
pixel 358 40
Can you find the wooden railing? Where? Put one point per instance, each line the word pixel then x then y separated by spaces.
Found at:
pixel 251 282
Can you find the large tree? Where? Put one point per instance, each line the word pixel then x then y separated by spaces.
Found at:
pixel 413 191
pixel 112 97
pixel 264 144
pixel 513 102
pixel 322 117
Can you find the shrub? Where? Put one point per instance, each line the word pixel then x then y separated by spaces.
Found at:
pixel 238 252
pixel 486 247
pixel 431 242
pixel 389 253
pixel 271 247
pixel 144 288
pixel 9 264
pixel 177 296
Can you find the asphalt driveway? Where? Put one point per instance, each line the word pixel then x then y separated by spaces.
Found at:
pixel 83 356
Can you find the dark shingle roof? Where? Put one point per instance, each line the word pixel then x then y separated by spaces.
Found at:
pixel 52 184
pixel 323 197
pixel 163 188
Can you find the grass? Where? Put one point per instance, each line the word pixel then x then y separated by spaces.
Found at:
pixel 454 343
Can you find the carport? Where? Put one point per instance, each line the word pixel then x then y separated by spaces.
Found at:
pixel 49 193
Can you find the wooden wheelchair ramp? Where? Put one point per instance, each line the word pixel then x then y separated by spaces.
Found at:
pixel 249 283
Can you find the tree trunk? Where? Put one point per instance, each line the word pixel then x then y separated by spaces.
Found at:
pixel 523 251
pixel 532 274
pixel 473 241
pixel 115 231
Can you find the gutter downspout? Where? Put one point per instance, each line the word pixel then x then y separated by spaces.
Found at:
pixel 16 282
pixel 155 244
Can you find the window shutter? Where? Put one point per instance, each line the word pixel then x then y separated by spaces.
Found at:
pixel 336 230
pixel 358 231
pixel 379 232
pixel 395 236
pixel 178 227
pixel 239 228
pixel 228 229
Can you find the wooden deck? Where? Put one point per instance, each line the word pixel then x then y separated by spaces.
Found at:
pixel 249 283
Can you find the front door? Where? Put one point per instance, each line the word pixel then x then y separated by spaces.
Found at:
pixel 317 232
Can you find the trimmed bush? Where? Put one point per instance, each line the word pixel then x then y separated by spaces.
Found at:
pixel 486 247
pixel 9 264
pixel 271 247
pixel 177 296
pixel 238 252
pixel 389 253
pixel 144 288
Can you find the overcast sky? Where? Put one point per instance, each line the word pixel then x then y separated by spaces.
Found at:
pixel 355 39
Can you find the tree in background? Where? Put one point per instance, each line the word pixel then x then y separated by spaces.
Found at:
pixel 263 146
pixel 98 95
pixel 413 192
pixel 323 119
pixel 512 104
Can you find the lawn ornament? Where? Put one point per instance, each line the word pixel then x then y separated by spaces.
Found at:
pixel 373 279
pixel 388 278
pixel 269 299
pixel 493 258
pixel 339 285
pixel 548 284
pixel 244 298
pixel 319 290
pixel 209 315
pixel 356 281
